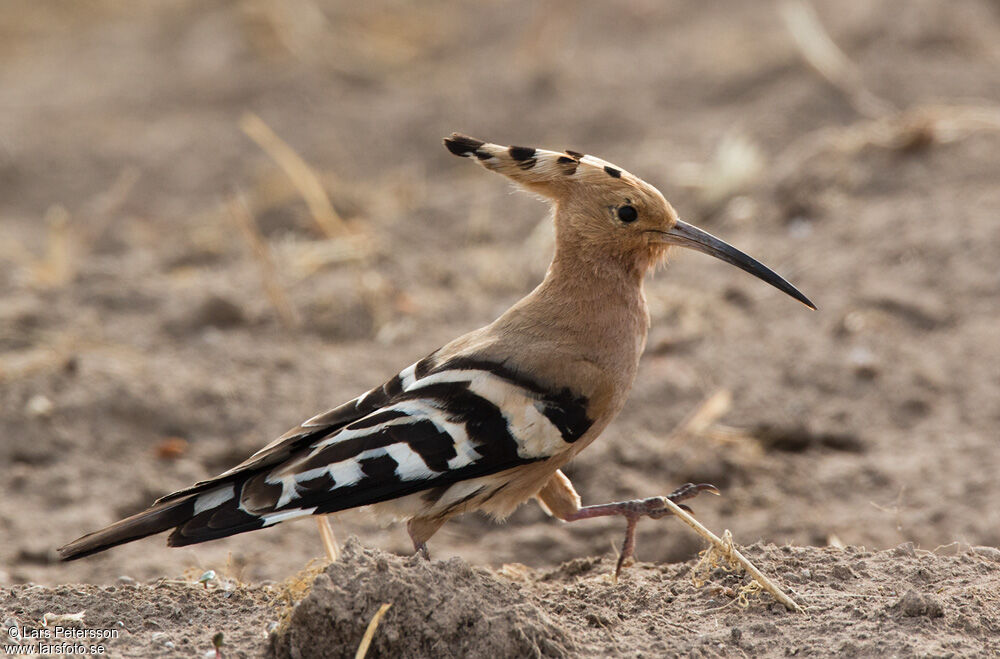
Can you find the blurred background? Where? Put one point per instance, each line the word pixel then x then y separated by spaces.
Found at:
pixel 220 218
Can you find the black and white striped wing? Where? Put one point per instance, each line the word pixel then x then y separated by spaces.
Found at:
pixel 428 427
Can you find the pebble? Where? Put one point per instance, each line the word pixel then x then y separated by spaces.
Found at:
pixel 913 604
pixel 39 406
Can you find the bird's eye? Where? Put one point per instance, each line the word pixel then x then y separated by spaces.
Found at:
pixel 628 214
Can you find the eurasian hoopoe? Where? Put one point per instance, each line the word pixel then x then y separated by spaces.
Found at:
pixel 486 422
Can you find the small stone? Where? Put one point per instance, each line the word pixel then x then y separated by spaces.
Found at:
pixel 913 604
pixel 864 363
pixel 125 579
pixel 842 572
pixel 39 406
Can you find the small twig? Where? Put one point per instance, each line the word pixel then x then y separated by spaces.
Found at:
pixel 366 640
pixel 827 59
pixel 299 172
pixel 705 415
pixel 734 556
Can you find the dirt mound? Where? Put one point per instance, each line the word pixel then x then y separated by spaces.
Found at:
pixel 859 603
pixel 440 609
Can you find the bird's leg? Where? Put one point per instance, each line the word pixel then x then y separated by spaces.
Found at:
pixel 561 500
pixel 329 539
pixel 421 529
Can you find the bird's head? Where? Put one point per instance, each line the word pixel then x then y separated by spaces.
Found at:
pixel 604 213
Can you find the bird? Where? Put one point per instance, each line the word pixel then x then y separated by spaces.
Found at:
pixel 489 420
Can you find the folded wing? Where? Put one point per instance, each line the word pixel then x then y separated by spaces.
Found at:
pixel 429 426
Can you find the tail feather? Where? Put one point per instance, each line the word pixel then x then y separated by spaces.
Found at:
pixel 220 521
pixel 194 518
pixel 154 520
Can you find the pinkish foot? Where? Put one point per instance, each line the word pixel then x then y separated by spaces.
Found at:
pixel 653 507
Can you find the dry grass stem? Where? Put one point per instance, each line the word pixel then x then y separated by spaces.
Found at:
pixel 366 640
pixel 305 259
pixel 827 59
pixel 272 287
pixel 910 129
pixel 329 539
pixel 104 206
pixel 56 267
pixel 299 172
pixel 734 557
pixel 703 417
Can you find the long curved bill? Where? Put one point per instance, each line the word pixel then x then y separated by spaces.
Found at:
pixel 683 234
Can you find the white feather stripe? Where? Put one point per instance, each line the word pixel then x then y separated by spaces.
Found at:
pixel 410 408
pixel 213 499
pixel 536 435
pixel 411 467
pixel 407 375
pixel 347 472
pixel 273 518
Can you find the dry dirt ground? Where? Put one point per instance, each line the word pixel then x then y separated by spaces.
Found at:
pixel 151 336
pixel 859 603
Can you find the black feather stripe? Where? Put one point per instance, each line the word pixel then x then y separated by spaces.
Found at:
pixel 352 447
pixel 375 419
pixel 485 424
pixel 462 145
pixel 568 413
pixel 568 164
pixel 498 369
pixel 423 367
pixel 322 483
pixel 521 152
pixel 380 469
pixel 219 522
pixel 434 446
pixel 368 492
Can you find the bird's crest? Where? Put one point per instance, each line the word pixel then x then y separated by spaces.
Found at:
pixel 550 173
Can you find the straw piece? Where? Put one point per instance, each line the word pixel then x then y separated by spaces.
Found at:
pixel 733 555
pixel 299 172
pixel 366 640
